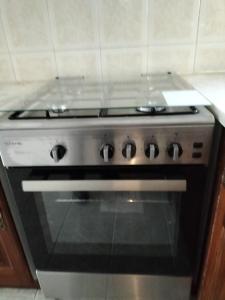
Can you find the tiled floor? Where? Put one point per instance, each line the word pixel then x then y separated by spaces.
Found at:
pixel 21 294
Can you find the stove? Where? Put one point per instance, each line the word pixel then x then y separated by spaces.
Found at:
pixel 99 136
pixel 108 196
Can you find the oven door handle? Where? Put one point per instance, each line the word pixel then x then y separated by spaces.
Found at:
pixel 104 185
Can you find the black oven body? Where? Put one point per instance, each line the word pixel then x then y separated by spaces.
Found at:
pixel 142 232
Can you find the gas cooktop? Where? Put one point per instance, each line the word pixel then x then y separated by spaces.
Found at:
pixel 103 113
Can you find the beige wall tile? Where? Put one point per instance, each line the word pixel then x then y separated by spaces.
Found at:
pixel 6 70
pixel 34 66
pixel 210 58
pixel 212 21
pixel 74 23
pixel 122 28
pixel 179 59
pixel 173 21
pixel 123 64
pixel 26 24
pixel 3 43
pixel 79 63
pixel 123 22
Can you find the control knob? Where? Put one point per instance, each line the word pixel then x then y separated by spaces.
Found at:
pixel 175 151
pixel 129 150
pixel 58 152
pixel 107 152
pixel 151 151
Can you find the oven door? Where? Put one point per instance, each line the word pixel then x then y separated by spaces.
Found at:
pixel 111 227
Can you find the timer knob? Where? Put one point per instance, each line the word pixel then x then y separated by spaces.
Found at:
pixel 129 150
pixel 58 152
pixel 175 151
pixel 152 151
pixel 107 152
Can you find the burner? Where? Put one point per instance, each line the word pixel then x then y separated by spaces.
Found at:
pixel 150 109
pixel 58 110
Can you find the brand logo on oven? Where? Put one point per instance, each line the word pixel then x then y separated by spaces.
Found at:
pixel 13 143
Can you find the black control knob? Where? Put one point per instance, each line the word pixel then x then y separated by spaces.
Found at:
pixel 151 151
pixel 107 152
pixel 129 150
pixel 175 151
pixel 58 152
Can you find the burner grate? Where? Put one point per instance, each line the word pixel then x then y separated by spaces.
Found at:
pixel 153 111
pixel 102 113
pixel 53 114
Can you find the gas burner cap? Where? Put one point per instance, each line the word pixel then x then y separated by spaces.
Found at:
pixel 150 109
pixel 58 110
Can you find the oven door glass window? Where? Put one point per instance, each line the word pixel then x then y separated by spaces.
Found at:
pixel 112 231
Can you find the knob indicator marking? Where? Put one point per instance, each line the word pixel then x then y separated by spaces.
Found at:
pixel 175 151
pixel 152 151
pixel 107 152
pixel 129 150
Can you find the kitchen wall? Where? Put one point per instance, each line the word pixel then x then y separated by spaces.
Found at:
pixel 109 39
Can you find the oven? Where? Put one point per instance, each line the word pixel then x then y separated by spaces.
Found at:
pixel 112 206
pixel 112 232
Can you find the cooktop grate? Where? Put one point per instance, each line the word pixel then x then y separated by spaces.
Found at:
pixel 102 113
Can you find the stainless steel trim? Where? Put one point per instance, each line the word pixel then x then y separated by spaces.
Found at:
pixel 66 285
pixel 203 118
pixel 104 185
pixel 26 148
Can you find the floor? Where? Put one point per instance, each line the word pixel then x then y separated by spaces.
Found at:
pixel 21 294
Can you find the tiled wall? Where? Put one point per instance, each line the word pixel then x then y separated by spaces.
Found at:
pixel 109 39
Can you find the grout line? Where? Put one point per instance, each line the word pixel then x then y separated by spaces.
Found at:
pixel 79 49
pixel 50 31
pixel 99 37
pixel 135 47
pixel 147 34
pixel 51 50
pixel 7 46
pixel 197 37
pixel 168 45
pixel 147 45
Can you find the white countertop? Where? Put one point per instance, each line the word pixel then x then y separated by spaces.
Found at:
pixel 212 86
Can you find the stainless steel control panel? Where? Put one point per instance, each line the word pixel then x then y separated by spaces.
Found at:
pixel 118 146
